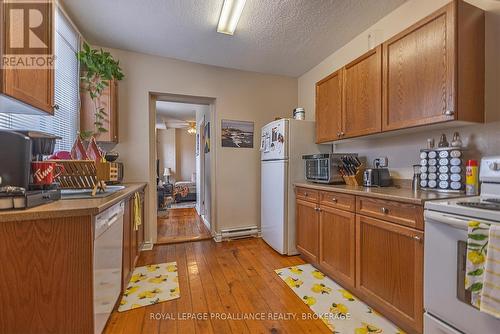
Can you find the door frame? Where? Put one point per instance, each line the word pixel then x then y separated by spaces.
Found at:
pixel 203 183
pixel 151 233
pixel 201 157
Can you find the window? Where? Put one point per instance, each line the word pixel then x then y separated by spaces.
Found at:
pixel 65 122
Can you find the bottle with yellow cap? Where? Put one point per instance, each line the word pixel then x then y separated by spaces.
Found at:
pixel 471 178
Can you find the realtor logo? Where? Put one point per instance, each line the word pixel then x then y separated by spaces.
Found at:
pixel 28 37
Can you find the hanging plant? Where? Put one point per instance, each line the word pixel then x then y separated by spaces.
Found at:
pixel 98 69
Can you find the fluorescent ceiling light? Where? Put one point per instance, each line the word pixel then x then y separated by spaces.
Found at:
pixel 230 15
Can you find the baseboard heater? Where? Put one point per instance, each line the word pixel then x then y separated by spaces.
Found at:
pixel 147 246
pixel 238 233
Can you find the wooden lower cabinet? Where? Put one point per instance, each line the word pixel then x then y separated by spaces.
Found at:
pixel 337 244
pixel 132 238
pixel 126 264
pixel 47 275
pixel 140 231
pixel 389 270
pixel 380 261
pixel 307 221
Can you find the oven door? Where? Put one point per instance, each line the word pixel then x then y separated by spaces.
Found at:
pixel 444 271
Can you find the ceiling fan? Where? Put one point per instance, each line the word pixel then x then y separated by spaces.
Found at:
pixel 176 124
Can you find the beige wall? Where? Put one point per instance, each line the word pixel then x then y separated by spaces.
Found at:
pixel 165 146
pixel 185 154
pixel 402 150
pixel 238 95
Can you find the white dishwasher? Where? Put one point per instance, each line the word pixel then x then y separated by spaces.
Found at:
pixel 108 245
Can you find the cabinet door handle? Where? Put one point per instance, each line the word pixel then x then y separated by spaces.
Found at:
pixel 384 210
pixel 306 194
pixel 342 134
pixel 55 107
pixel 334 200
pixel 417 238
pixel 449 112
pixel 338 134
pixel 317 209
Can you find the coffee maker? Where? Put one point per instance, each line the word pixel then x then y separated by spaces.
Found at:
pixel 18 149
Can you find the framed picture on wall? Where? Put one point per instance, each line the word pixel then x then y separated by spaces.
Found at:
pixel 206 135
pixel 237 134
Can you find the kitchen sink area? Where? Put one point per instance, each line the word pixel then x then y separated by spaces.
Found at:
pixel 87 193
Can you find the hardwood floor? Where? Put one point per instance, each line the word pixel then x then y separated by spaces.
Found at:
pixel 181 225
pixel 234 278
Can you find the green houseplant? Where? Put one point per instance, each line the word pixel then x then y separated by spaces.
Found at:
pixel 98 69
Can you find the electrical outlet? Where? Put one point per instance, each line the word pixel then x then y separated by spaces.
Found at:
pixel 382 161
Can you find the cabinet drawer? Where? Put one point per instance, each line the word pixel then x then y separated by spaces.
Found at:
pixel 307 194
pixel 337 200
pixel 400 213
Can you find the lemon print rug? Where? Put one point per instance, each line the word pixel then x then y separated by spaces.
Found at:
pixel 150 285
pixel 342 312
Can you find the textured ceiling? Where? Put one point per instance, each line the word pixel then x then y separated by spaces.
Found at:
pixel 176 115
pixel 285 37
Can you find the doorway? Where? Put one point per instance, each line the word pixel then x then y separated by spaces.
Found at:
pixel 183 168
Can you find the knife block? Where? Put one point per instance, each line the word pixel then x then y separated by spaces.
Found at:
pixel 357 179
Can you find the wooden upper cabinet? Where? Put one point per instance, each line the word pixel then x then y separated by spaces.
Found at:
pixel 389 270
pixel 362 110
pixel 430 73
pixel 434 70
pixel 109 101
pixel 307 221
pixel 337 244
pixel 329 108
pixel 34 87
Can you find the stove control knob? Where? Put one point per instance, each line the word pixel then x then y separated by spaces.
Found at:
pixel 495 166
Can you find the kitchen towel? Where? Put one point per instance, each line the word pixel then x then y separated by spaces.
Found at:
pixel 151 285
pixel 340 311
pixel 137 211
pixel 477 242
pixel 490 298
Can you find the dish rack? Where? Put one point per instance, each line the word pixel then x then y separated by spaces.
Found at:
pixel 86 174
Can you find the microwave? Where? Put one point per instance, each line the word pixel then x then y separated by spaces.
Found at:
pixel 323 168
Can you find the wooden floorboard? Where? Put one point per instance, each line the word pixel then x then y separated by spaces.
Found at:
pixel 181 225
pixel 228 279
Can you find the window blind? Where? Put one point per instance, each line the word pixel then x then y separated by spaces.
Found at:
pixel 65 122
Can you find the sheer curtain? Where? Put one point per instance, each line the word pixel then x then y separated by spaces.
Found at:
pixel 65 122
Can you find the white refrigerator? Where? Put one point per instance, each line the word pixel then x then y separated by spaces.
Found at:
pixel 283 142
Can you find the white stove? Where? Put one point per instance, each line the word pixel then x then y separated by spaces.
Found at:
pixel 477 207
pixel 446 302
